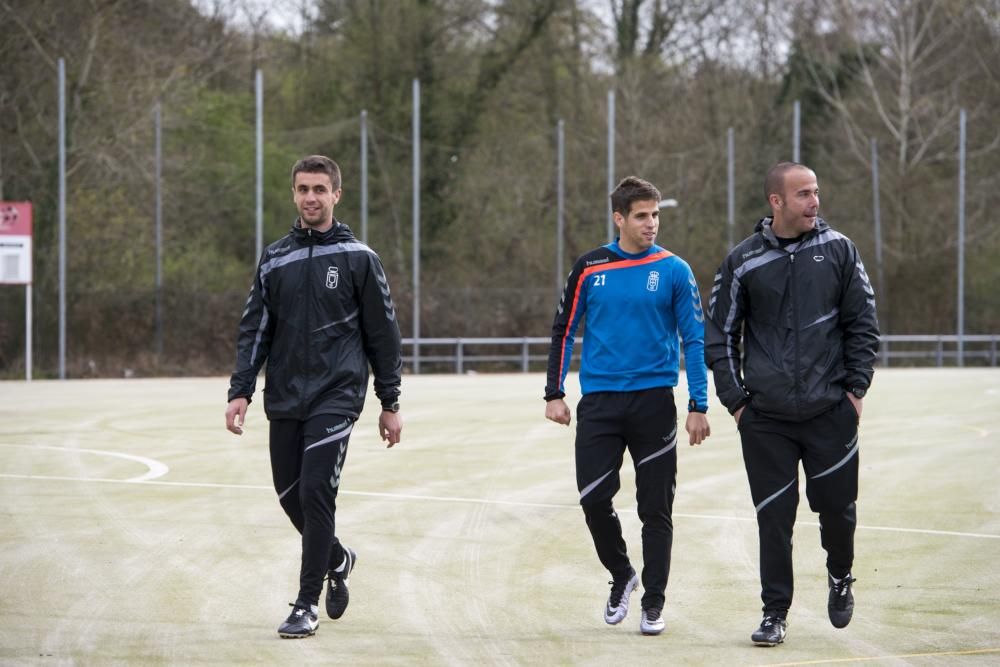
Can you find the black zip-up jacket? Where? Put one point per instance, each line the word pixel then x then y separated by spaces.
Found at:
pixel 806 317
pixel 319 312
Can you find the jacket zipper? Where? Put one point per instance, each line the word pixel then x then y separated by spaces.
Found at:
pixel 305 333
pixel 795 334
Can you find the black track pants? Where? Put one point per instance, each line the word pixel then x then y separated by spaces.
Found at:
pixel 827 445
pixel 645 423
pixel 306 460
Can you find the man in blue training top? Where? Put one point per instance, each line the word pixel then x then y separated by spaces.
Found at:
pixel 635 297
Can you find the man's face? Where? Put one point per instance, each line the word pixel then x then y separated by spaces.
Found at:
pixel 315 198
pixel 638 229
pixel 797 209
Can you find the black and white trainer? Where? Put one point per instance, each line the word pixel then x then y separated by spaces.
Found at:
pixel 337 595
pixel 617 607
pixel 771 631
pixel 652 621
pixel 302 622
pixel 840 604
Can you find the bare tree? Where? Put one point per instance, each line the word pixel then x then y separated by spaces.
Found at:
pixel 900 71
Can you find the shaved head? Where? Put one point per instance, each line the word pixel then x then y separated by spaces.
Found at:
pixel 774 182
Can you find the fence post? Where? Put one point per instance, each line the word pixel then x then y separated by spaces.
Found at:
pixel 611 162
pixel 62 219
pixel 459 357
pixel 524 355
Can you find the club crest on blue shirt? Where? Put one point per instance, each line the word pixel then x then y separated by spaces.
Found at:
pixel 653 281
pixel 332 277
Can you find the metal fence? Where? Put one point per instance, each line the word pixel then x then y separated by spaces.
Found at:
pixel 525 354
pixel 458 358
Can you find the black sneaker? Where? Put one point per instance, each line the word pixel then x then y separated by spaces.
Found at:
pixel 302 622
pixel 337 595
pixel 841 602
pixel 617 607
pixel 652 621
pixel 771 631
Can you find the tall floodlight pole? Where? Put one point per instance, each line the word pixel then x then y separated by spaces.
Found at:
pixel 62 219
pixel 560 202
pixel 879 274
pixel 158 209
pixel 259 95
pixel 364 176
pixel 796 130
pixel 731 186
pixel 611 162
pixel 416 226
pixel 961 237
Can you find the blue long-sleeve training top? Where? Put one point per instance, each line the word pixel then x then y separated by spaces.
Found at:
pixel 634 305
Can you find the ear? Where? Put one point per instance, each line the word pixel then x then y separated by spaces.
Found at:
pixel 618 218
pixel 775 201
pixel 336 195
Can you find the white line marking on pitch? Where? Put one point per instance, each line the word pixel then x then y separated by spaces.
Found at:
pixel 931 654
pixel 156 468
pixel 459 499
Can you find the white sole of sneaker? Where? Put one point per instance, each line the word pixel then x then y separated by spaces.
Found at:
pixel 287 635
pixel 622 609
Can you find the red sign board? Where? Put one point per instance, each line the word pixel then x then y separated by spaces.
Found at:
pixel 15 243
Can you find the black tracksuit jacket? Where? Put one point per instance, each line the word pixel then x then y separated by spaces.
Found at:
pixel 319 312
pixel 806 317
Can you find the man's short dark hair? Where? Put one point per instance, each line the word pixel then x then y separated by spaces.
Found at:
pixel 318 164
pixel 774 182
pixel 632 189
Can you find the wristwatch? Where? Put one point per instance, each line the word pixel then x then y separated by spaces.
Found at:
pixel 391 407
pixel 859 392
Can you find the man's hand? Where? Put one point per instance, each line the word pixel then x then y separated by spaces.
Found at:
pixel 390 427
pixel 556 410
pixel 857 403
pixel 697 428
pixel 236 413
pixel 738 414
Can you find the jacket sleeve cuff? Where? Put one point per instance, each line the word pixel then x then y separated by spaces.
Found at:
pixel 233 396
pixel 857 381
pixel 389 401
pixel 551 396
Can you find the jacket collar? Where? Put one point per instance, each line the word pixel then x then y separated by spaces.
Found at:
pixel 763 227
pixel 339 233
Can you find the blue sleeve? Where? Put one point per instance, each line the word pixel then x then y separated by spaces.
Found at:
pixel 691 325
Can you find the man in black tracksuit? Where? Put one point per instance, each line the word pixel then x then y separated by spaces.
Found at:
pixel 796 294
pixel 319 313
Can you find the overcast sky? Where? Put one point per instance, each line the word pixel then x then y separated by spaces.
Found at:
pixel 283 15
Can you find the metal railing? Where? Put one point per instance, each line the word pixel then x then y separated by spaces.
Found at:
pixel 939 348
pixel 458 355
pixel 464 351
